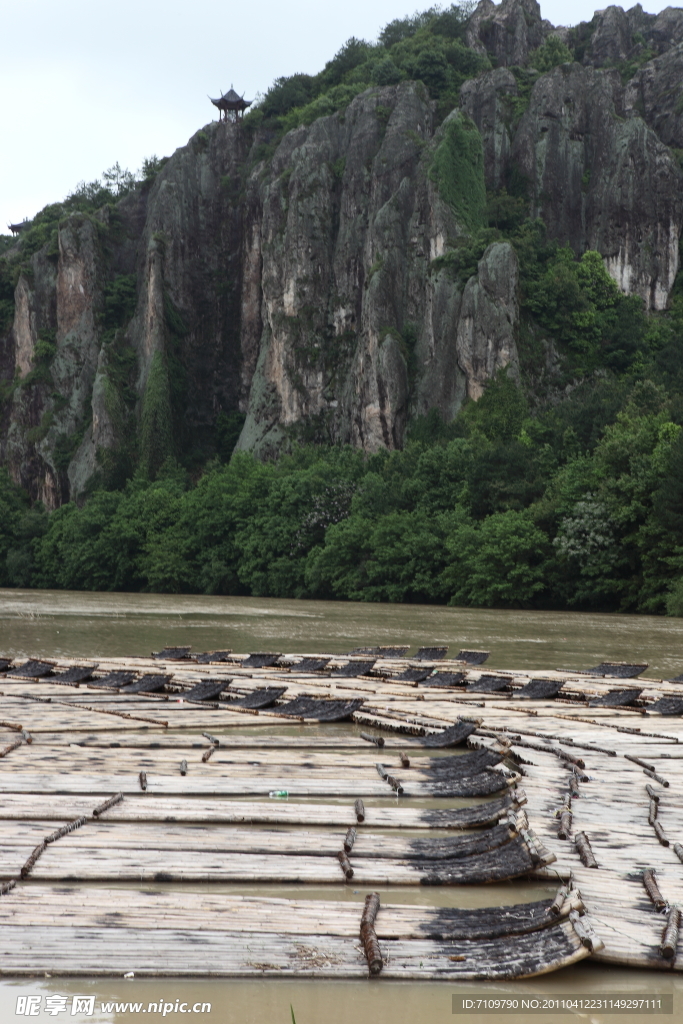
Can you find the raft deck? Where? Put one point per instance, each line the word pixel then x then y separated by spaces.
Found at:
pixel 120 791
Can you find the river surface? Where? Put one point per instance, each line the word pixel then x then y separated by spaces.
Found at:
pixel 84 625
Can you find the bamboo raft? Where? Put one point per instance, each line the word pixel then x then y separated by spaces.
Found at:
pixel 124 779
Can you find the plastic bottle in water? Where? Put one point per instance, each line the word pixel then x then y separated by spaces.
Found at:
pixel 280 794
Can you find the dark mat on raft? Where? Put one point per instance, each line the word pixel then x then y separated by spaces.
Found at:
pixel 30 670
pixel 444 848
pixel 115 680
pixel 207 689
pixel 380 652
pixel 431 653
pixel 448 923
pixel 206 657
pixel 5 664
pixel 261 698
pixel 321 710
pixel 353 669
pixel 451 847
pixel 148 683
pixel 454 736
pixel 508 861
pixel 483 784
pixel 411 675
pixel 616 698
pixel 172 654
pixel 472 657
pixel 75 674
pixel 617 669
pixel 667 706
pixel 476 815
pixel 264 660
pixel 310 665
pixel 458 766
pixel 445 679
pixel 490 684
pixel 541 689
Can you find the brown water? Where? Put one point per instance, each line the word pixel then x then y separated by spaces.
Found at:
pixel 77 625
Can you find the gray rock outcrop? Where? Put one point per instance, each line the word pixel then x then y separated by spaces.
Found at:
pixel 311 283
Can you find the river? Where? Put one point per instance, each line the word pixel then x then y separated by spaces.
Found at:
pixel 84 625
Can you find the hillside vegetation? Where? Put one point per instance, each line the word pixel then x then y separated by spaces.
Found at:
pixel 561 487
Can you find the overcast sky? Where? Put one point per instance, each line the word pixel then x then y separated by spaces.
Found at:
pixel 85 84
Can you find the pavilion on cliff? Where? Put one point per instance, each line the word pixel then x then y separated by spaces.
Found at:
pixel 231 107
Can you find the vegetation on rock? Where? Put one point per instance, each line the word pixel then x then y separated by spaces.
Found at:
pixel 561 487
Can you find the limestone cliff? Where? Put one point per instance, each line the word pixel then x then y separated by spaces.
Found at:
pixel 305 283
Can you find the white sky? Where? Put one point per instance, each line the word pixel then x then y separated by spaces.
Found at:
pixel 84 84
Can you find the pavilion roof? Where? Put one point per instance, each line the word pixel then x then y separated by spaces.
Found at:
pixel 231 101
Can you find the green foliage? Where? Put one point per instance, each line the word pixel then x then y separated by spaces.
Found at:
pixel 427 47
pixel 550 54
pixel 582 307
pixel 119 298
pixel 458 171
pixel 228 429
pixel 44 353
pixel 499 563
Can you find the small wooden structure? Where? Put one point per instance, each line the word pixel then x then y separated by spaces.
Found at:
pixel 230 105
pixel 16 229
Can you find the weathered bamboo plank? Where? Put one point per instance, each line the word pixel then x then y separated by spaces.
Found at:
pixel 106 951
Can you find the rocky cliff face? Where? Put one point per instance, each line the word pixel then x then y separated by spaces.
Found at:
pixel 312 291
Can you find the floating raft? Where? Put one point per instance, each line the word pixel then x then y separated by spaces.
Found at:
pixel 318 770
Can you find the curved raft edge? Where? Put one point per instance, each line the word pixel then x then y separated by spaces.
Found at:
pixel 519 956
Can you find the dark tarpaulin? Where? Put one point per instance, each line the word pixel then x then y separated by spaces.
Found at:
pixel 474 816
pixel 460 765
pixel 148 683
pixel 381 652
pixel 446 679
pixel 482 784
pixel 172 654
pixel 75 674
pixel 616 698
pixel 5 664
pixel 261 698
pixel 431 653
pixel 449 923
pixel 30 670
pixel 541 689
pixel 208 656
pixel 311 665
pixel 207 689
pixel 114 679
pixel 353 669
pixel 455 846
pixel 490 684
pixel 472 657
pixel 260 660
pixel 322 710
pixel 508 861
pixel 667 706
pixel 453 736
pixel 617 669
pixel 411 675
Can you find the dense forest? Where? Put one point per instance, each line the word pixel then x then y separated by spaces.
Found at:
pixel 561 487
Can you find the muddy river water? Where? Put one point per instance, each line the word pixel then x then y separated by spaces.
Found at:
pixel 80 625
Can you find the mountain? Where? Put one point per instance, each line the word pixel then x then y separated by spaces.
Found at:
pixel 367 247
